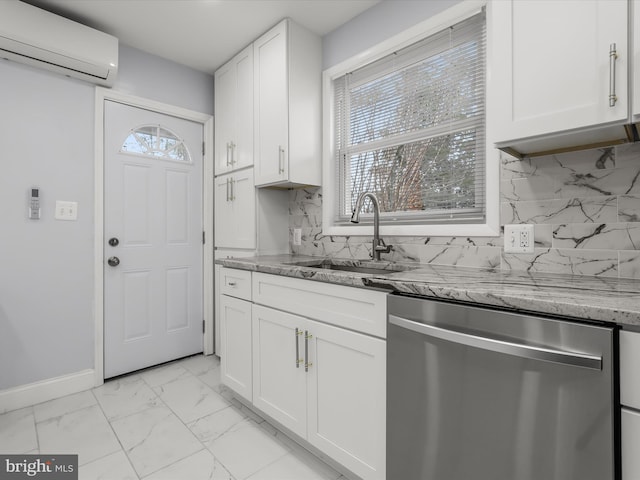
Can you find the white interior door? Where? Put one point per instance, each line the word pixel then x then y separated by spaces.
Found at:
pixel 153 308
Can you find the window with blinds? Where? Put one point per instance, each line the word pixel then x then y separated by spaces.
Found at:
pixel 410 128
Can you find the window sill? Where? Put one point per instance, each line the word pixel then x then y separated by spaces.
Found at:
pixel 467 230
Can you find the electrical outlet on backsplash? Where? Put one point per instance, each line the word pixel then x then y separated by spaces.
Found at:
pixel 584 205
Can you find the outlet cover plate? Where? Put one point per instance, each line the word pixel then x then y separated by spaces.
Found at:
pixel 518 238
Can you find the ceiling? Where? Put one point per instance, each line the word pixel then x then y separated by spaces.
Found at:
pixel 202 34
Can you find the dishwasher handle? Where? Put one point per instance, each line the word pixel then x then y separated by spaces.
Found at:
pixel 575 359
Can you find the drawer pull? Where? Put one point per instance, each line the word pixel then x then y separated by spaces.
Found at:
pixel 298 359
pixel 280 159
pixel 231 283
pixel 613 56
pixel 307 363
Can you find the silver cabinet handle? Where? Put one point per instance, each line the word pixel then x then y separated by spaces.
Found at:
pixel 232 182
pixel 231 283
pixel 233 153
pixel 575 359
pixel 280 159
pixel 307 363
pixel 227 189
pixel 613 56
pixel 298 359
pixel 228 147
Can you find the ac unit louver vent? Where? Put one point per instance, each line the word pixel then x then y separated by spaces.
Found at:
pixel 36 37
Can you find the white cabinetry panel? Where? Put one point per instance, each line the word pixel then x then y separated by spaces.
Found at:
pixel 348 307
pixel 234 113
pixel 552 68
pixel 235 210
pixel 235 345
pixel 630 441
pixel 287 106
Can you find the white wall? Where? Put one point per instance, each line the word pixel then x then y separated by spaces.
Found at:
pixel 46 265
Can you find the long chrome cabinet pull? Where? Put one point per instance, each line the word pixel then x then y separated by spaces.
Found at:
pixel 298 359
pixel 307 363
pixel 233 195
pixel 574 359
pixel 233 153
pixel 280 159
pixel 228 147
pixel 613 56
pixel 227 189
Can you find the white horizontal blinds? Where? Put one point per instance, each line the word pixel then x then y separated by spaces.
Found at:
pixel 410 128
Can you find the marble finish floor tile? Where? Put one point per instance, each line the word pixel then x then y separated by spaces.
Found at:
pixel 18 431
pixel 259 449
pixel 190 398
pixel 125 396
pixel 199 466
pixel 61 406
pixel 85 432
pixel 154 439
pixel 111 467
pixel 171 422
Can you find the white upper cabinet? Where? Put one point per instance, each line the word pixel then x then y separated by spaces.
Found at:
pixel 287 106
pixel 234 113
pixel 559 73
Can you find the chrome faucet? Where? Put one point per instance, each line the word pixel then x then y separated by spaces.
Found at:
pixel 378 244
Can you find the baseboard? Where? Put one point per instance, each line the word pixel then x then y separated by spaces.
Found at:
pixel 38 392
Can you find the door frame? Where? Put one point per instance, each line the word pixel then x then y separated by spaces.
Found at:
pixel 102 95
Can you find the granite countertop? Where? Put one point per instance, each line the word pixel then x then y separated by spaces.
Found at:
pixel 592 298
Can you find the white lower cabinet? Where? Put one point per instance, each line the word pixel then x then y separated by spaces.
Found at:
pixel 311 356
pixel 235 345
pixel 324 383
pixel 630 399
pixel 630 442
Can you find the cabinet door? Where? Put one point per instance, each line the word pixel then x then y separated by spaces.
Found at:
pixel 234 113
pixel 235 210
pixel 279 382
pixel 235 345
pixel 223 221
pixel 271 106
pixel 242 150
pixel 225 100
pixel 630 422
pixel 216 308
pixel 347 398
pixel 551 65
pixel 243 196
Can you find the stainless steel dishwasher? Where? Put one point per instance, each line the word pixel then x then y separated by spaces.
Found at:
pixel 475 393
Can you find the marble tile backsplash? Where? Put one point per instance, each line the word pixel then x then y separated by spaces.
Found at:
pixel 585 207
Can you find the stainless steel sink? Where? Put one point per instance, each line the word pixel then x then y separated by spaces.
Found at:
pixel 379 268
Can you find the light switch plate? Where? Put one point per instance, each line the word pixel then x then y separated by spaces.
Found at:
pixel 518 238
pixel 297 236
pixel 66 210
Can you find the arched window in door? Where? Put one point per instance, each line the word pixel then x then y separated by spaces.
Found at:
pixel 156 141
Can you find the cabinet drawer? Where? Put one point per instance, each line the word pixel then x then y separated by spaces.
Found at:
pixel 348 307
pixel 630 441
pixel 630 369
pixel 235 283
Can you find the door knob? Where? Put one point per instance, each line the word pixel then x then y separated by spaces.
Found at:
pixel 113 261
pixel 114 242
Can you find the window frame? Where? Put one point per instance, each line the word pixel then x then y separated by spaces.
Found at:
pixel 435 24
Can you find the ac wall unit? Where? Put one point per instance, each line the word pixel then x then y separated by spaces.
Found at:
pixel 36 37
